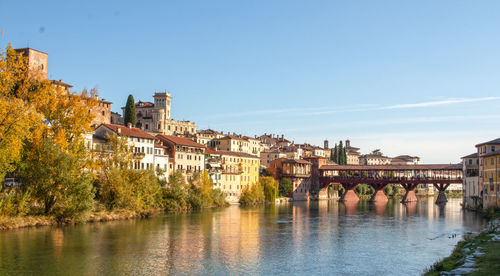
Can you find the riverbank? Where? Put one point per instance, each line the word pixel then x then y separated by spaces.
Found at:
pixel 9 223
pixel 477 254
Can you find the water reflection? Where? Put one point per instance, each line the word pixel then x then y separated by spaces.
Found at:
pixel 322 237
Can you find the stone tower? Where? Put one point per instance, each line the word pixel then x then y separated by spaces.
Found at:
pixel 325 144
pixel 161 110
pixel 37 61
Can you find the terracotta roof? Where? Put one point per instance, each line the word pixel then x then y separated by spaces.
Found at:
pixel 394 167
pixel 374 155
pixel 406 157
pixel 58 82
pixel 314 157
pixel 160 146
pixel 232 137
pixel 473 155
pixel 179 140
pixel 298 161
pixel 496 142
pixel 399 160
pixel 239 154
pixel 208 131
pixel 131 132
pixel 144 104
pixel 210 151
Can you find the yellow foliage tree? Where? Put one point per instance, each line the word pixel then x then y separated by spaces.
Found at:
pixel 33 109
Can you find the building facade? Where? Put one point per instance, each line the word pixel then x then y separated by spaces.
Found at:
pixel 298 171
pixel 352 153
pixel 155 117
pixel 374 158
pixel 269 155
pixel 102 113
pixel 146 154
pixel 472 194
pixel 207 137
pixel 489 172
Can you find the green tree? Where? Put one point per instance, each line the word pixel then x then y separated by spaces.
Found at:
pixel 335 155
pixel 119 186
pixel 341 160
pixel 285 187
pixel 175 196
pixel 270 186
pixel 344 156
pixel 57 179
pixel 130 113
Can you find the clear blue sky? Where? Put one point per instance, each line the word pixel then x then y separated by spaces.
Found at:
pixel 419 78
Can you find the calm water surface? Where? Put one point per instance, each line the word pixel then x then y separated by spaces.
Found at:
pixel 323 237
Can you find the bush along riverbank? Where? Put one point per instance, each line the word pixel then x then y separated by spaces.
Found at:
pixel 477 254
pixel 265 191
pixel 117 201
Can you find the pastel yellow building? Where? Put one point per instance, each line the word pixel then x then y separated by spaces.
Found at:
pixel 489 172
pixel 239 171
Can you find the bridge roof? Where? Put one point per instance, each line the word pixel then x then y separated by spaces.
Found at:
pixel 392 167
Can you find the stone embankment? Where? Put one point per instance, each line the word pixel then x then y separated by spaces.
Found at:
pixel 477 254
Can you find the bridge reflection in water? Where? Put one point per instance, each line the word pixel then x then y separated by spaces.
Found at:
pixel 408 176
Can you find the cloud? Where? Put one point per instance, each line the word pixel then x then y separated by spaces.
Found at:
pixel 440 102
pixel 317 111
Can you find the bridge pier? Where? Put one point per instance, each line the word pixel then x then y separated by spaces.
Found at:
pixel 441 199
pixel 379 195
pixel 410 193
pixel 349 194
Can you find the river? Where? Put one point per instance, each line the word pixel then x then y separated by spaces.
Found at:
pixel 325 237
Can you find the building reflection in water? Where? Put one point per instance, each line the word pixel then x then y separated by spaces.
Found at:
pixel 321 237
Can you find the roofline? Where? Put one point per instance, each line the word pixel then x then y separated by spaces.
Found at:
pixel 28 48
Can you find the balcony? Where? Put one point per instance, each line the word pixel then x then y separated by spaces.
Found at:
pixel 139 155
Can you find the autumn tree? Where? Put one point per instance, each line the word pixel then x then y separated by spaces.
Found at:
pixel 121 187
pixel 19 94
pixel 56 179
pixel 33 109
pixel 130 112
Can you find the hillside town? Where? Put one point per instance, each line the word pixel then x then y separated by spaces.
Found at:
pixel 234 162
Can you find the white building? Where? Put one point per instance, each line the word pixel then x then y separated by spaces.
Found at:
pixel 147 154
pixel 472 197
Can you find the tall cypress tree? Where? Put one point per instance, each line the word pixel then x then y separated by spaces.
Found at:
pixel 336 154
pixel 340 153
pixel 130 115
pixel 344 156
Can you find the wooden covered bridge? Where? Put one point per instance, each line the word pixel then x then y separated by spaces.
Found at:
pixel 379 176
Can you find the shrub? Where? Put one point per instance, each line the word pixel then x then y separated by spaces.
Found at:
pixel 14 202
pixel 285 187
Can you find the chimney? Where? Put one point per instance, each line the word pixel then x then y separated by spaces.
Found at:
pixel 282 136
pixel 129 125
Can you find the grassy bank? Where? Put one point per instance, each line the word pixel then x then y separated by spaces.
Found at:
pixel 478 254
pixel 8 223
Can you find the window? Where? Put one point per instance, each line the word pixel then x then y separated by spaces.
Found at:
pixel 492 161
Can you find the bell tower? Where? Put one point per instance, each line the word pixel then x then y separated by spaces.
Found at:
pixel 162 101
